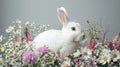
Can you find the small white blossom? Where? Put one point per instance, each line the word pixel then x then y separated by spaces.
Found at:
pixel 18 21
pixel 27 23
pixel 18 31
pixel 9 29
pixel 66 64
pixel 2 49
pixel 115 55
pixel 20 26
pixel 1 38
pixel 76 54
pixel 1 61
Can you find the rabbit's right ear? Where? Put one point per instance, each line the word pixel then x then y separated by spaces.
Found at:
pixel 62 15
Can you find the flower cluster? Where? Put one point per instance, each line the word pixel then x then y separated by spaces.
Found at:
pixel 95 51
pixel 16 48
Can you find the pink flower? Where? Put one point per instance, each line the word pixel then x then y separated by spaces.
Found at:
pixel 118 47
pixel 15 38
pixel 114 42
pixel 91 47
pixel 27 36
pixel 91 44
pixel 116 39
pixel 111 46
pixel 29 57
pixel 77 60
pixel 42 50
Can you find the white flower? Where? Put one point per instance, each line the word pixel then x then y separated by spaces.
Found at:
pixel 20 26
pixel 66 64
pixel 98 45
pixel 105 56
pixel 1 60
pixel 18 31
pixel 115 55
pixel 1 38
pixel 12 62
pixel 2 49
pixel 76 54
pixel 18 21
pixel 96 51
pixel 9 29
pixel 86 53
pixel 27 23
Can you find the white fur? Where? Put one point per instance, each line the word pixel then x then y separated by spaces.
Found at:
pixel 66 40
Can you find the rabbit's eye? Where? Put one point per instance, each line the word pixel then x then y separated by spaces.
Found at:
pixel 73 28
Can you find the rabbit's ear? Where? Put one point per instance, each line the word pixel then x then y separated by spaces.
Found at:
pixel 62 15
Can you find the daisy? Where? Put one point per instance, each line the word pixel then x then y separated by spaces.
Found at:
pixel 92 63
pixel 115 55
pixel 76 54
pixel 9 29
pixel 66 64
pixel 2 48
pixel 86 53
pixel 105 56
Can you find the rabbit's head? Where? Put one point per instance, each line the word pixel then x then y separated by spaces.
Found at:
pixel 71 30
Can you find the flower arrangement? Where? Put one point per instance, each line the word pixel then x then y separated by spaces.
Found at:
pixel 96 51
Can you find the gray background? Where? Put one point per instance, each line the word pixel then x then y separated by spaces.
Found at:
pixel 44 12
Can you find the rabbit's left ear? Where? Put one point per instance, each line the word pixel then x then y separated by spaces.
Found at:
pixel 62 15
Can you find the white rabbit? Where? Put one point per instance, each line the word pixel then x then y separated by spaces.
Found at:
pixel 65 40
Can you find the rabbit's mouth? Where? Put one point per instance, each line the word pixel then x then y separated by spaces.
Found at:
pixel 79 38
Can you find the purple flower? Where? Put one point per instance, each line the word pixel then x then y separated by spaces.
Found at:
pixel 42 50
pixel 29 57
